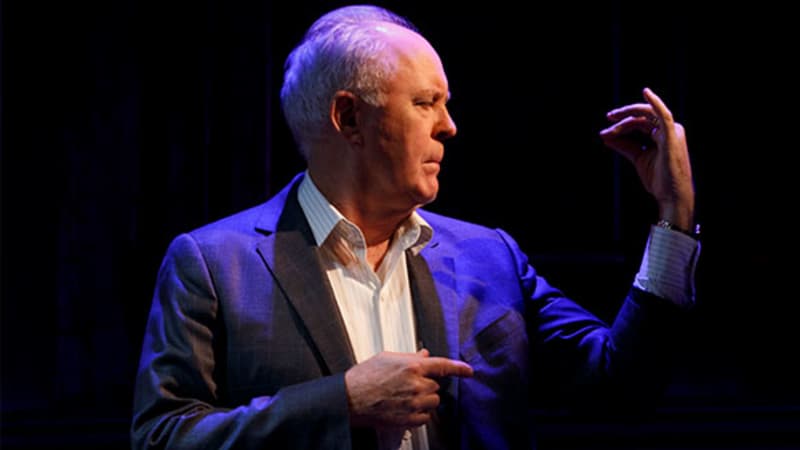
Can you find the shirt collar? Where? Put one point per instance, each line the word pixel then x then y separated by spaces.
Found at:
pixel 322 216
pixel 415 233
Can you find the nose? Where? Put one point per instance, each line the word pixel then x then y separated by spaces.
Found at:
pixel 446 127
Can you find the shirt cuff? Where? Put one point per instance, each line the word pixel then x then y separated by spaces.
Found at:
pixel 668 266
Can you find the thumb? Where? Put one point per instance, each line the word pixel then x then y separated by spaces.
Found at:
pixel 423 352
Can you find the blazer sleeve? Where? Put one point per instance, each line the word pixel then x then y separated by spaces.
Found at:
pixel 176 399
pixel 623 364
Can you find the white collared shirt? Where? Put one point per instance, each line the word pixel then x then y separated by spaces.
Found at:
pixel 376 307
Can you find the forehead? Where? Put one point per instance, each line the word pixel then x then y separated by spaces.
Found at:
pixel 417 65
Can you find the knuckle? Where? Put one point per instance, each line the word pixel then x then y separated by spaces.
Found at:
pixel 415 404
pixel 424 386
pixel 413 368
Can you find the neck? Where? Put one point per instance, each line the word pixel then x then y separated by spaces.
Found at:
pixel 376 221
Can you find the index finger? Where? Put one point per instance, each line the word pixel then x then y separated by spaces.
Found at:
pixel 437 366
pixel 660 109
pixel 635 110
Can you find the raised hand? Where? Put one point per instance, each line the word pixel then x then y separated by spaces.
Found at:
pixel 648 136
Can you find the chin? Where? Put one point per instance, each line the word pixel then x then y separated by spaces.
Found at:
pixel 427 195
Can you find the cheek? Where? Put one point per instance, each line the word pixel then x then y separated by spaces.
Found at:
pixel 405 144
pixel 417 160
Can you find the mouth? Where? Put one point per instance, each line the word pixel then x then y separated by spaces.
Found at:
pixel 433 163
pixel 432 166
pixel 434 160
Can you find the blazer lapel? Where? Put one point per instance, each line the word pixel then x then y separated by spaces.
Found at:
pixel 431 317
pixel 292 256
pixel 427 307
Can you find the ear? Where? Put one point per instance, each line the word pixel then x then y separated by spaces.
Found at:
pixel 344 116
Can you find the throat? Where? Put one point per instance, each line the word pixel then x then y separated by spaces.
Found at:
pixel 376 253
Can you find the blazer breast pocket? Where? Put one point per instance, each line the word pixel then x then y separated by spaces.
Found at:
pixel 504 341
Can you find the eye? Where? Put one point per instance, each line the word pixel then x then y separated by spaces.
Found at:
pixel 425 103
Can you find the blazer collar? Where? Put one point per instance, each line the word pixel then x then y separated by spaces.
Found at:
pixel 292 256
pixel 272 211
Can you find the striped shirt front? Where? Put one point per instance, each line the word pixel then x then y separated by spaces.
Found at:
pixel 376 307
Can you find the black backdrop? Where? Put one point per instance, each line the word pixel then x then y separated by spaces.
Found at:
pixel 127 122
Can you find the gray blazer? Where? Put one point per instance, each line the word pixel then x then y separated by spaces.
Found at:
pixel 245 346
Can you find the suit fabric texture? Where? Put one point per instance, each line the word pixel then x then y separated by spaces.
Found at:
pixel 245 347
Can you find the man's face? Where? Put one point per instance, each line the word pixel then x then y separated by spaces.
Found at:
pixel 404 138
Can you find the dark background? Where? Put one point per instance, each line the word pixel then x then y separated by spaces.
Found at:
pixel 127 122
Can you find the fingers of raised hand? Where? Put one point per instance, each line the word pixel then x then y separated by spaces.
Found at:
pixel 654 113
pixel 629 124
pixel 660 110
pixel 632 110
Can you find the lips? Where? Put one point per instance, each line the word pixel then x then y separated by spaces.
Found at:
pixel 437 160
pixel 432 166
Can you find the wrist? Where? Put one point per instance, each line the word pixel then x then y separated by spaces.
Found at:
pixel 678 213
pixel 693 231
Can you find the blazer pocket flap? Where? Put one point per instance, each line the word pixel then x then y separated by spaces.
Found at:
pixel 490 342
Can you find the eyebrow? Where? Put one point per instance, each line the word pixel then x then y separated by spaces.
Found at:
pixel 435 94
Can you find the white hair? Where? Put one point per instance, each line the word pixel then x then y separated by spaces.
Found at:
pixel 342 50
